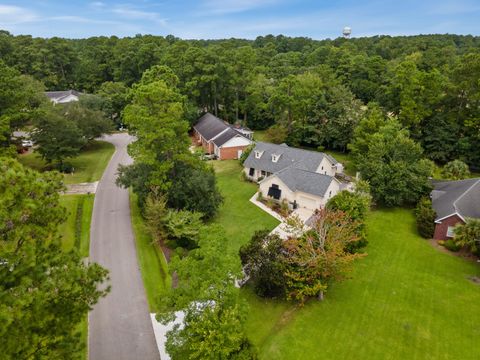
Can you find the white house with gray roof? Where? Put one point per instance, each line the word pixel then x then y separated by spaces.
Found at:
pixel 63 97
pixel 301 177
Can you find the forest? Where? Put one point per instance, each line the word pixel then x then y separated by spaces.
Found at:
pixel 313 92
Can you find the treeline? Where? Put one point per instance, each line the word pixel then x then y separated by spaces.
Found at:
pixel 314 92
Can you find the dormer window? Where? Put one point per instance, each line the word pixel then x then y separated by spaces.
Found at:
pixel 275 157
pixel 258 154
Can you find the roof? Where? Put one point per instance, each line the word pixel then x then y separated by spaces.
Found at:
pixel 306 159
pixel 310 182
pixel 210 126
pixel 460 197
pixel 225 136
pixel 59 95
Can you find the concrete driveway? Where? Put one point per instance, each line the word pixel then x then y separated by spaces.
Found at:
pixel 119 325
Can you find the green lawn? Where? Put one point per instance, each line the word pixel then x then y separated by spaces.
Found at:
pixel 89 165
pixel 79 209
pixel 152 262
pixel 405 300
pixel 238 216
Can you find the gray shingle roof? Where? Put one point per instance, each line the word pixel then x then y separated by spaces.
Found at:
pixel 210 126
pixel 224 137
pixel 310 160
pixel 310 182
pixel 462 197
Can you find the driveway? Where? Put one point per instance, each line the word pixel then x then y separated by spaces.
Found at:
pixel 119 325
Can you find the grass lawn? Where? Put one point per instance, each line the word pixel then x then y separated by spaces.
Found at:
pixel 152 262
pixel 405 300
pixel 259 135
pixel 89 165
pixel 79 209
pixel 239 217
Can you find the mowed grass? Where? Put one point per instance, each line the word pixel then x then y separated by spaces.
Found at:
pixel 89 165
pixel 153 265
pixel 405 300
pixel 238 216
pixel 67 230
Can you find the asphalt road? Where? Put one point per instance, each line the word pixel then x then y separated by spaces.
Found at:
pixel 119 325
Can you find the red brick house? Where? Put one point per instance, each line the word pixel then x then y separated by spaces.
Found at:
pixel 220 138
pixel 454 202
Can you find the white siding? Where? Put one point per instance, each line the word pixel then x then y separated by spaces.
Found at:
pixel 237 141
pixel 326 167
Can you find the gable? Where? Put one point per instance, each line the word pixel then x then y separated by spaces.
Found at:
pixel 238 140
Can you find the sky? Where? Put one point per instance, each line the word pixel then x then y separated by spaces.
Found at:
pixel 215 19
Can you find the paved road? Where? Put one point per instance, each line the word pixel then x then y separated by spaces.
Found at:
pixel 119 325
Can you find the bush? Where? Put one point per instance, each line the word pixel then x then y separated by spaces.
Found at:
pixel 425 218
pixel 450 245
pixel 260 196
pixel 456 170
pixel 245 154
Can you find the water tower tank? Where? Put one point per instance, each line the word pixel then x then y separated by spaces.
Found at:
pixel 347 31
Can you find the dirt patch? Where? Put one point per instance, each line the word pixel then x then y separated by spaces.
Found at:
pixel 474 279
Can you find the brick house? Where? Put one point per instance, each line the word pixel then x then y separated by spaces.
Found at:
pixel 220 138
pixel 454 202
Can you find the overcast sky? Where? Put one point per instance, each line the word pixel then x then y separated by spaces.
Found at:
pixel 215 19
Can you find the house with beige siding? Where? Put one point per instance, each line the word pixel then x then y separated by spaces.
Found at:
pixel 303 178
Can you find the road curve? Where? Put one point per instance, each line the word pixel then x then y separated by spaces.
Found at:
pixel 119 325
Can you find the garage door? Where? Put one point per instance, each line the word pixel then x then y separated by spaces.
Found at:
pixel 307 202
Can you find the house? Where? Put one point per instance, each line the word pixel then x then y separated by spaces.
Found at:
pixel 224 140
pixel 454 202
pixel 266 159
pixel 303 178
pixel 63 97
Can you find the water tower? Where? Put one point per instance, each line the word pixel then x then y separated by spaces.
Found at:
pixel 346 32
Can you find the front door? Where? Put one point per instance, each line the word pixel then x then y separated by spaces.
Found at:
pixel 239 154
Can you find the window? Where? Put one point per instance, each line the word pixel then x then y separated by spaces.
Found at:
pixel 274 192
pixel 263 172
pixel 275 157
pixel 251 172
pixel 322 167
pixel 330 194
pixel 258 154
pixel 450 231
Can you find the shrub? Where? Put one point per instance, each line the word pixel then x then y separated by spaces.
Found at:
pixel 245 154
pixel 456 170
pixel 450 245
pixel 260 196
pixel 425 218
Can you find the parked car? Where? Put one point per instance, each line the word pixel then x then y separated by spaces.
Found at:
pixel 27 143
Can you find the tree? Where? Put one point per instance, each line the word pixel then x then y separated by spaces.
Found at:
pixel 57 137
pixel 181 227
pixel 468 235
pixel 356 206
pixel 155 116
pixel 92 123
pixel 20 97
pixel 45 292
pixel 319 256
pixel 115 95
pixel 394 167
pixel 456 170
pixel 214 314
pixel 425 218
pixel 194 188
pixel 372 120
pixel 263 264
